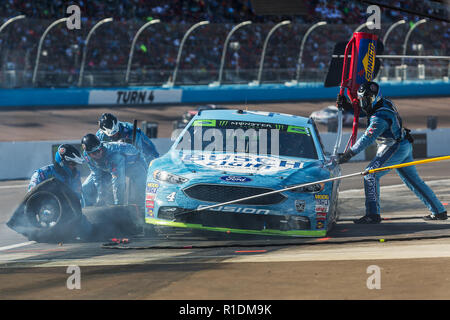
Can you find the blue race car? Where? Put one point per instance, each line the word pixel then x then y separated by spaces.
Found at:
pixel 226 155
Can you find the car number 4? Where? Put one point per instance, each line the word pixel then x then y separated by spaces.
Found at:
pixel 171 197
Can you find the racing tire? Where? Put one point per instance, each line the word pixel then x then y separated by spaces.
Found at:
pixel 50 212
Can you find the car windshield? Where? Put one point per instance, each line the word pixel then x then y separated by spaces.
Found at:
pixel 257 138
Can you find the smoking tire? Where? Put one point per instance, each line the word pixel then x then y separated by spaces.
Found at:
pixel 49 213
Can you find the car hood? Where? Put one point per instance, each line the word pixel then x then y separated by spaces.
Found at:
pixel 238 166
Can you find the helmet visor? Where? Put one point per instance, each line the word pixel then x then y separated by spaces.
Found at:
pixel 365 102
pixel 112 130
pixel 94 150
pixel 96 154
pixel 74 158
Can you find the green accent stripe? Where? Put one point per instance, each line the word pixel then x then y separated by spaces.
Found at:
pixel 270 232
pixel 300 130
pixel 204 123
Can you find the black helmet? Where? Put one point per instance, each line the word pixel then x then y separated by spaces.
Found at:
pixel 108 124
pixel 368 95
pixel 67 154
pixel 90 143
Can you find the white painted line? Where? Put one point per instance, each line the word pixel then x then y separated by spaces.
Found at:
pixel 14 186
pixel 17 245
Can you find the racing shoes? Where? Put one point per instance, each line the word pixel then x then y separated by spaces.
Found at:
pixel 368 219
pixel 439 216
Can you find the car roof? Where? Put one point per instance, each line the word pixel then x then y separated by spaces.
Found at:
pixel 255 116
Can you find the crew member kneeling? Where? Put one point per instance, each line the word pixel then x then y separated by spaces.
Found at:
pixel 64 168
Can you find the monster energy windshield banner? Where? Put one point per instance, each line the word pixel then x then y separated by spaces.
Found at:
pixel 231 124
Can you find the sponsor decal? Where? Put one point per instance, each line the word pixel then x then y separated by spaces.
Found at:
pixel 149 212
pixel 366 60
pixel 237 209
pixel 369 61
pixel 322 202
pixel 247 163
pixel 321 215
pixel 149 204
pixel 204 123
pixel 300 205
pixel 320 225
pixel 152 188
pixel 300 130
pixel 322 196
pixel 149 197
pixel 238 124
pixel 321 209
pixel 234 124
pixel 235 179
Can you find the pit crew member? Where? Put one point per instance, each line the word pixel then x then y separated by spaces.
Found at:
pixel 64 168
pixel 113 130
pixel 394 147
pixel 110 163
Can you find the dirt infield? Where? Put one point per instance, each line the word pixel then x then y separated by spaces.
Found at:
pixel 73 123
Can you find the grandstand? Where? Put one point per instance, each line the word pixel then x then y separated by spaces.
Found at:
pixel 156 50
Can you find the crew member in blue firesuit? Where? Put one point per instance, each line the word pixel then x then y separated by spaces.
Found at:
pixel 110 163
pixel 394 147
pixel 113 130
pixel 64 168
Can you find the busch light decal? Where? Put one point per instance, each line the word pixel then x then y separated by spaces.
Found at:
pixel 247 163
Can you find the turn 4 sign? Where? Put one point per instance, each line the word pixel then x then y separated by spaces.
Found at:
pixel 133 97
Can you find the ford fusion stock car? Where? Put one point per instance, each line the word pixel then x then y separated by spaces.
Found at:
pixel 224 156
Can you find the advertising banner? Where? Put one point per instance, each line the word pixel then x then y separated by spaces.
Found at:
pixel 134 97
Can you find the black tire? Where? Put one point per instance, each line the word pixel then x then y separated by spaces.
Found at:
pixel 51 212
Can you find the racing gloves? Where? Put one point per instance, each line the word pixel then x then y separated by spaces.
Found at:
pixel 345 157
pixel 342 102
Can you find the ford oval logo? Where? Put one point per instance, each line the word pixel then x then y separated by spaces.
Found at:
pixel 235 179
